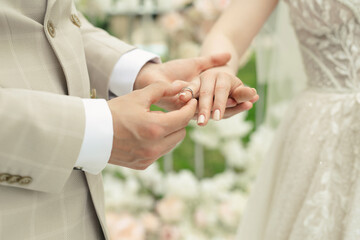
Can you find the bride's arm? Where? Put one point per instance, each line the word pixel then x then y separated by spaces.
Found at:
pixel 236 28
pixel 233 33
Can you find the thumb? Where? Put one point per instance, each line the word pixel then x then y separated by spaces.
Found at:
pixel 216 60
pixel 178 119
pixel 155 91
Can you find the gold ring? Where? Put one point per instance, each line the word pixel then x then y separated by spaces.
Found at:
pixel 188 89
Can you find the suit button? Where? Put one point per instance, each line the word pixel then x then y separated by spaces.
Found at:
pixel 14 179
pixel 51 29
pixel 4 177
pixel 75 20
pixel 25 180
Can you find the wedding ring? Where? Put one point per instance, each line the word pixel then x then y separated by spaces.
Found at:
pixel 188 89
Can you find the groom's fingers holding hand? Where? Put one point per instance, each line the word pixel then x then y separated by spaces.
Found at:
pixel 155 91
pixel 243 94
pixel 245 106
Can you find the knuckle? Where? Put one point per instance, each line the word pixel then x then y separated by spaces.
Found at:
pixel 205 93
pixel 222 87
pixel 150 153
pixel 207 74
pixel 151 131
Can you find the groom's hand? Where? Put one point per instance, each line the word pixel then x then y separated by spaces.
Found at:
pixel 142 136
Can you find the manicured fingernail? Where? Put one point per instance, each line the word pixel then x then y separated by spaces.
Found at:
pixel 182 94
pixel 201 119
pixel 217 115
pixel 254 90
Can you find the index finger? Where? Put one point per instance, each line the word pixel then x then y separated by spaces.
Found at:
pixel 155 91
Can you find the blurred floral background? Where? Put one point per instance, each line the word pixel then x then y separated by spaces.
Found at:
pixel 200 189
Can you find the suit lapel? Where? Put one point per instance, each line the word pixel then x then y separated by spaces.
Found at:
pixel 50 4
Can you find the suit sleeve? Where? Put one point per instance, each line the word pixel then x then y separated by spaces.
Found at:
pixel 40 138
pixel 102 52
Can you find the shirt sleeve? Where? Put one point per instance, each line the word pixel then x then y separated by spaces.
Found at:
pixel 98 137
pixel 127 68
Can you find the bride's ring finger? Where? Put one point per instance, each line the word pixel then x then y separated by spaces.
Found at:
pixel 182 92
pixel 190 91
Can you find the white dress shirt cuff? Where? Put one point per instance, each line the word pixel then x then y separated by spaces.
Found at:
pixel 98 137
pixel 127 68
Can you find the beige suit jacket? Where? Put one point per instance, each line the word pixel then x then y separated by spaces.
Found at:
pixel 50 58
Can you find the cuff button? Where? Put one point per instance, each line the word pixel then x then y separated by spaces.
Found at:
pixel 14 179
pixel 25 180
pixel 4 177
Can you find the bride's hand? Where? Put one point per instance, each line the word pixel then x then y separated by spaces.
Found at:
pixel 221 95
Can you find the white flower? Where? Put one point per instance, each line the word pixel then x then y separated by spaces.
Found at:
pixel 205 217
pixel 234 127
pixel 216 132
pixel 207 8
pixel 259 145
pixel 124 227
pixel 151 222
pixel 218 186
pixel 231 208
pixel 172 22
pixel 169 232
pixel 152 178
pixel 192 234
pixel 234 153
pixel 113 191
pixel 120 194
pixel 171 209
pixel 183 185
pixel 277 112
pixel 206 136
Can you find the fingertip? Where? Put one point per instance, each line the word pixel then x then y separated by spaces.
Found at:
pixel 217 115
pixel 248 105
pixel 230 102
pixel 185 96
pixel 201 120
pixel 255 99
pixel 221 58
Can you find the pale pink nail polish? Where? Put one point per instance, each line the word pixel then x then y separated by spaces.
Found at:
pixel 217 115
pixel 201 119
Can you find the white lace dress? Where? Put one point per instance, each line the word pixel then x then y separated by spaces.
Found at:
pixel 309 187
